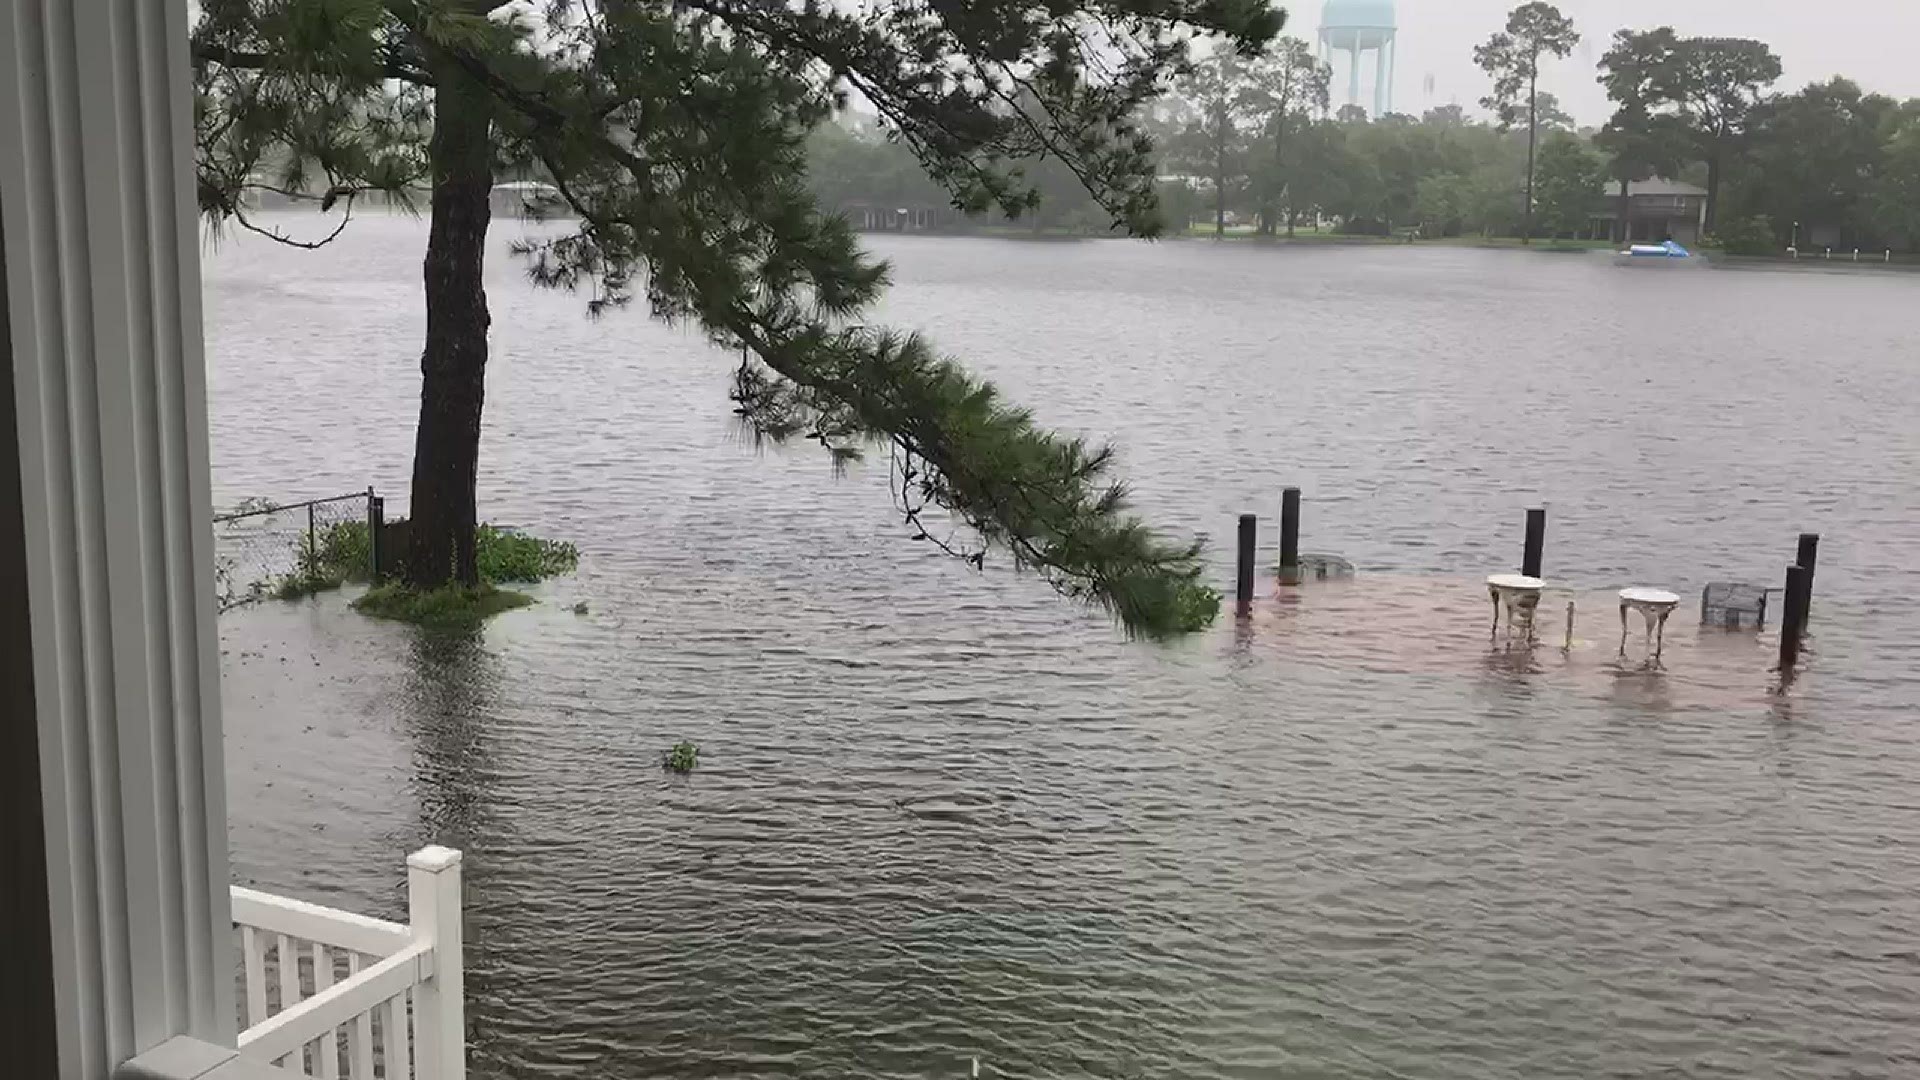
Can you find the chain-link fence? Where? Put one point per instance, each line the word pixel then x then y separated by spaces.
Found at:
pixel 265 550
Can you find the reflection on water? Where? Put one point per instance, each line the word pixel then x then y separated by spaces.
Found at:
pixel 446 703
pixel 941 815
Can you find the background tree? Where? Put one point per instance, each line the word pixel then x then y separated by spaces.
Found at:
pixel 1715 86
pixel 1289 84
pixel 851 160
pixel 1441 202
pixel 1747 236
pixel 676 134
pixel 1488 203
pixel 1330 179
pixel 1819 156
pixel 1398 157
pixel 1513 59
pixel 1351 114
pixel 1572 182
pixel 1896 188
pixel 1638 141
pixel 1219 91
pixel 1548 114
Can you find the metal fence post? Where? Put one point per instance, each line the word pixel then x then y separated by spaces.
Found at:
pixel 439 1006
pixel 310 564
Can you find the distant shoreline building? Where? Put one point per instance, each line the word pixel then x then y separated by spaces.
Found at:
pixel 1657 209
pixel 1354 28
pixel 867 216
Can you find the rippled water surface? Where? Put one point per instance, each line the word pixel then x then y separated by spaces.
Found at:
pixel 942 815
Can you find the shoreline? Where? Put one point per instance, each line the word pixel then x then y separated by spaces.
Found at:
pixel 1900 263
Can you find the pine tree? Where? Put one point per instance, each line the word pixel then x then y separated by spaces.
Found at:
pixel 1292 85
pixel 1513 59
pixel 675 132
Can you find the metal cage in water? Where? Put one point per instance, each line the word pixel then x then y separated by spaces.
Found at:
pixel 1733 605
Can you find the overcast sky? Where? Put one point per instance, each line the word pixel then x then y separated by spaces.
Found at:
pixel 1875 42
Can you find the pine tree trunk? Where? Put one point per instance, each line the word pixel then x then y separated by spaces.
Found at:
pixel 1280 194
pixel 453 365
pixel 1220 190
pixel 1713 189
pixel 1533 128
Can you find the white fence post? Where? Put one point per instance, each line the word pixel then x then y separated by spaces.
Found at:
pixel 439 1007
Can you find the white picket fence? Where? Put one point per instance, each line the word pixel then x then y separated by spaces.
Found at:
pixel 338 996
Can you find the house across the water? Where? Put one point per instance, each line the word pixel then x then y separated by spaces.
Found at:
pixel 1658 209
pixel 525 199
pixel 910 217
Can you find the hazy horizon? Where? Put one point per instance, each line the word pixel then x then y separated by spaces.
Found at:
pixel 1854 38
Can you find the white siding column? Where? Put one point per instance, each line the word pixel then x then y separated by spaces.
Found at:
pixel 1380 78
pixel 110 447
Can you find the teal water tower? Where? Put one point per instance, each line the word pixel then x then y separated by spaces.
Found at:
pixel 1352 29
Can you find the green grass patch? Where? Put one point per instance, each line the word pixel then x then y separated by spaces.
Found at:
pixel 451 607
pixel 342 554
pixel 513 556
pixel 338 555
pixel 681 759
pixel 300 585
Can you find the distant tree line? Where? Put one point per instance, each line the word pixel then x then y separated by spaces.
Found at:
pixel 1251 142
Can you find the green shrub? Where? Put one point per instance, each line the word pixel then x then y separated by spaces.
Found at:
pixel 1746 236
pixel 1197 607
pixel 344 551
pixel 338 555
pixel 453 607
pixel 299 585
pixel 1362 226
pixel 342 554
pixel 681 759
pixel 513 556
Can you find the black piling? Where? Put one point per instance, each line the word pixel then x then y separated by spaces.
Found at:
pixel 1290 536
pixel 1536 543
pixel 1793 618
pixel 1243 588
pixel 376 523
pixel 1806 556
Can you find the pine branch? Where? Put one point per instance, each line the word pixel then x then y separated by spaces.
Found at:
pixel 1041 499
pixel 677 135
pixel 205 53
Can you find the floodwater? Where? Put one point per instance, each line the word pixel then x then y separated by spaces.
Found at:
pixel 944 816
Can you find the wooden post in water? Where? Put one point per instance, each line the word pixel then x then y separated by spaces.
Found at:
pixel 1290 536
pixel 1536 542
pixel 1243 586
pixel 1806 555
pixel 376 520
pixel 1792 618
